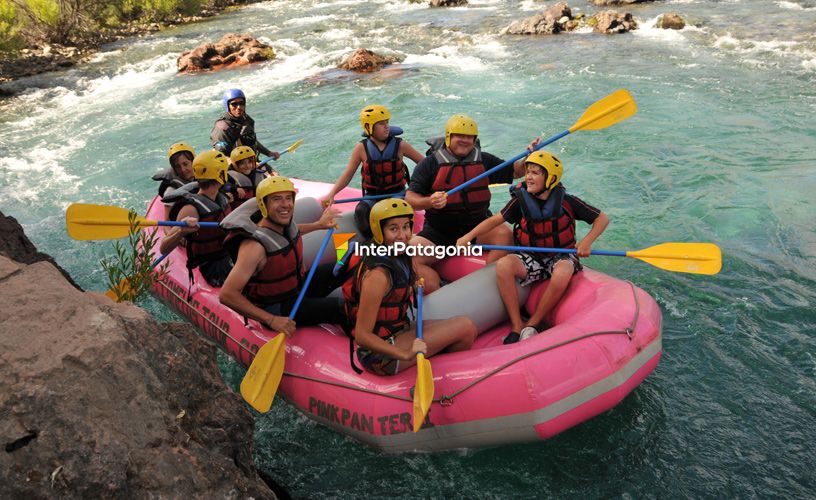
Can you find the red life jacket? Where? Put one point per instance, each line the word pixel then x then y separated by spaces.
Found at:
pixel 283 274
pixel 206 244
pixel 245 182
pixel 546 223
pixel 383 170
pixel 453 171
pixel 392 315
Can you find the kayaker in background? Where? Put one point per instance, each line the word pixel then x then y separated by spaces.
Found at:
pixel 244 174
pixel 236 128
pixel 269 272
pixel 381 154
pixel 543 214
pixel 201 202
pixel 180 156
pixel 378 295
pixel 446 219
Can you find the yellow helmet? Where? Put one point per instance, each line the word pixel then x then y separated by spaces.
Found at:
pixel 387 209
pixel 179 147
pixel 270 185
pixel 460 124
pixel 211 165
pixel 553 169
pixel 240 153
pixel 371 115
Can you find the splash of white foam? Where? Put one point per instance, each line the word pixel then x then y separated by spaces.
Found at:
pixel 446 55
pixel 303 21
pixel 793 6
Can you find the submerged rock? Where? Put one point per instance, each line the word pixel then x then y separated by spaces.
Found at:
pixel 671 21
pixel 447 3
pixel 99 400
pixel 232 50
pixel 365 61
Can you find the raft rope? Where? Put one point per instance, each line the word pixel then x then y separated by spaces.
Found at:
pixel 445 399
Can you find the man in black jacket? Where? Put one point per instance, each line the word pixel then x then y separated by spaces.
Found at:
pixel 236 128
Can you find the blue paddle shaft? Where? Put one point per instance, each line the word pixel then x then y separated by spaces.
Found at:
pixel 179 223
pixel 273 159
pixel 612 253
pixel 311 273
pixel 419 313
pixel 506 163
pixel 372 197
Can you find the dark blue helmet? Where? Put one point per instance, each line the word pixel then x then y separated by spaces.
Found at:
pixel 232 94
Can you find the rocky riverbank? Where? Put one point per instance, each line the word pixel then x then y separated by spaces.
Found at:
pixel 99 400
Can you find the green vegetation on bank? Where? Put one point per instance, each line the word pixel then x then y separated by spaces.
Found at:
pixel 28 23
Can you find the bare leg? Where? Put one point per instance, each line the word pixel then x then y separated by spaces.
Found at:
pixel 450 335
pixel 561 275
pixel 423 266
pixel 508 269
pixel 499 235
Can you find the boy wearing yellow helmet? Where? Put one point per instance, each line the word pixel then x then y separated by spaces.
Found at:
pixel 378 296
pixel 204 245
pixel 244 174
pixel 380 153
pixel 543 215
pixel 446 219
pixel 269 272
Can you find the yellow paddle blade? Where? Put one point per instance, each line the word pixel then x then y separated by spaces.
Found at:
pixel 695 258
pixel 614 108
pixel 294 146
pixel 261 381
pixel 423 391
pixel 99 222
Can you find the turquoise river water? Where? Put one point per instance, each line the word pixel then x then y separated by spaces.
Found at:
pixel 722 149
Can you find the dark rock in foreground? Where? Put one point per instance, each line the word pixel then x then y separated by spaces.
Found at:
pixel 99 400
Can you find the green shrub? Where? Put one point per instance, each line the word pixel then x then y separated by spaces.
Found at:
pixel 10 39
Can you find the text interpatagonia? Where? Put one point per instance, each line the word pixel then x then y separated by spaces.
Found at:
pixel 400 248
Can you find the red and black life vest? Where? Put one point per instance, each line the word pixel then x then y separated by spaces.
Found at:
pixel 246 182
pixel 383 170
pixel 546 223
pixel 206 244
pixel 453 171
pixel 283 274
pixel 392 316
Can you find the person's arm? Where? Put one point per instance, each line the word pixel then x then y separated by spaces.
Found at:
pixel 374 287
pixel 584 246
pixel 251 257
pixel 220 137
pixel 483 227
pixel 188 214
pixel 421 182
pixel 266 151
pixel 351 168
pixel 326 221
pixel 409 151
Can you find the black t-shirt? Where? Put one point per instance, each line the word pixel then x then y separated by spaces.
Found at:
pixel 582 210
pixel 422 180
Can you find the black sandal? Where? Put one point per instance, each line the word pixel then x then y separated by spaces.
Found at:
pixel 511 338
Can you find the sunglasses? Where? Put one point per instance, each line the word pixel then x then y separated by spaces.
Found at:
pixel 235 104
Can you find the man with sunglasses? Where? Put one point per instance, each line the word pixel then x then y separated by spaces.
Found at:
pixel 236 128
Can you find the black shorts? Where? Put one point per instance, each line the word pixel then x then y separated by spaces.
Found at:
pixel 444 238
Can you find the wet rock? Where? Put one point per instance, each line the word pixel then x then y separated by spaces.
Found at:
pixel 366 61
pixel 232 50
pixel 671 21
pixel 447 3
pixel 618 2
pixel 611 22
pixel 111 403
pixel 554 19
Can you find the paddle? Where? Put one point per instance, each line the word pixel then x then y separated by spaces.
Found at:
pixel 102 222
pixel 290 149
pixel 124 285
pixel 263 377
pixel 614 108
pixel 694 258
pixel 424 388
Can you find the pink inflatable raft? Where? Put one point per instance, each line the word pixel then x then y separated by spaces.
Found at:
pixel 605 340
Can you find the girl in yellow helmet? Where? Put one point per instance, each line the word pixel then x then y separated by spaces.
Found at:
pixel 381 155
pixel 543 215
